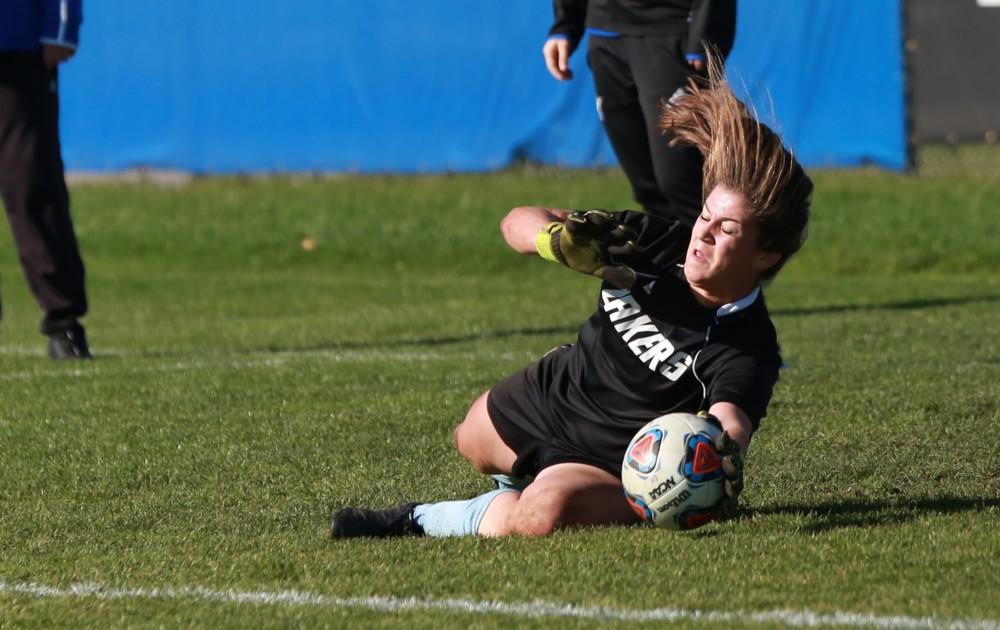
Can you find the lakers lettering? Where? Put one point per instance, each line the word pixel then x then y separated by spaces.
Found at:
pixel 642 336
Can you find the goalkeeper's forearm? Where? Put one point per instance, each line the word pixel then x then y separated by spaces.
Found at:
pixel 522 225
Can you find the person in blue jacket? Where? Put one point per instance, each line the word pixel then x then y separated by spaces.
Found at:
pixel 35 37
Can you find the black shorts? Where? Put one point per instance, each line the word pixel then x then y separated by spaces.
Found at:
pixel 543 416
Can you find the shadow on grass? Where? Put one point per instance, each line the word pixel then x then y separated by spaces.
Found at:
pixel 433 341
pixel 906 305
pixel 831 516
pixel 570 330
pixel 416 342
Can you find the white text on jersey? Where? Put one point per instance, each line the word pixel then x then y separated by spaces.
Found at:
pixel 644 339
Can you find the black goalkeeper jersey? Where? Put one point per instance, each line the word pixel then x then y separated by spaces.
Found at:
pixel 655 349
pixel 644 352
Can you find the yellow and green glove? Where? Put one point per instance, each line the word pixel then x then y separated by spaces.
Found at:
pixel 586 242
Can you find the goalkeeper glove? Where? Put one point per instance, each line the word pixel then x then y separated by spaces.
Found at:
pixel 732 467
pixel 586 242
pixel 731 459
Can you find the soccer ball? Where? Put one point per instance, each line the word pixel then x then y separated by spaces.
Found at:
pixel 672 474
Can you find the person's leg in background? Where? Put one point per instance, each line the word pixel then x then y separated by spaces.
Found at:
pixel 34 192
pixel 624 121
pixel 659 70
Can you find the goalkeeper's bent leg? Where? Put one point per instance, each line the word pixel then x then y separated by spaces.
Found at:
pixel 455 518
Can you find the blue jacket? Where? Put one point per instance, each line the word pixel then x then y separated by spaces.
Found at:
pixel 28 24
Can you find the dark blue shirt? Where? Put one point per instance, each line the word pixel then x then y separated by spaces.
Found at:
pixel 29 24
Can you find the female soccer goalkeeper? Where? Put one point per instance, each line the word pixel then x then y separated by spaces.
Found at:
pixel 680 325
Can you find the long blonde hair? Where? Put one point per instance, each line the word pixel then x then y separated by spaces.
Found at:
pixel 744 155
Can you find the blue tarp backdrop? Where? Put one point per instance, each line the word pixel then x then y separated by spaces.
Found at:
pixel 438 85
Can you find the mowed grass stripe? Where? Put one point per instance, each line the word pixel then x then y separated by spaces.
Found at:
pixel 533 609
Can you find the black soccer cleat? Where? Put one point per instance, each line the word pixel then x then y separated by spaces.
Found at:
pixel 69 344
pixel 352 522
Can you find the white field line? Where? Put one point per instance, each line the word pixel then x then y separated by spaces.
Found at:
pixel 269 359
pixel 534 609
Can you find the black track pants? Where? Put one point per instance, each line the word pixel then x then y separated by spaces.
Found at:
pixel 34 192
pixel 632 77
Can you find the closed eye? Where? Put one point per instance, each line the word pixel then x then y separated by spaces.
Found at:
pixel 730 227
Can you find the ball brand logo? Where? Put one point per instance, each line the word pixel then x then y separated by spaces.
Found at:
pixel 672 503
pixel 642 454
pixel 661 489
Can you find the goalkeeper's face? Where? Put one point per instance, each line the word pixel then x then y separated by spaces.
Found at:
pixel 723 262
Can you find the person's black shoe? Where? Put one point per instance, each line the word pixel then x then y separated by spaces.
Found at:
pixel 352 522
pixel 69 344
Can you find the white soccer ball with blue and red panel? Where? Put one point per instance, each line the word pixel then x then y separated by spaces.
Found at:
pixel 672 474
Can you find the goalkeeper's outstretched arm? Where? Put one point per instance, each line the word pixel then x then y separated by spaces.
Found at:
pixel 522 224
pixel 584 241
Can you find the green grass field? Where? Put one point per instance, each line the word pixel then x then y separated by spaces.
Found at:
pixel 244 387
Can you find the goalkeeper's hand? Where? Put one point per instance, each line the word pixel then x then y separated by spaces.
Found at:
pixel 731 460
pixel 587 241
pixel 732 466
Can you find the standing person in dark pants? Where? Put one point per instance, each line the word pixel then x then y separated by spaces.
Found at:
pixel 641 53
pixel 35 37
